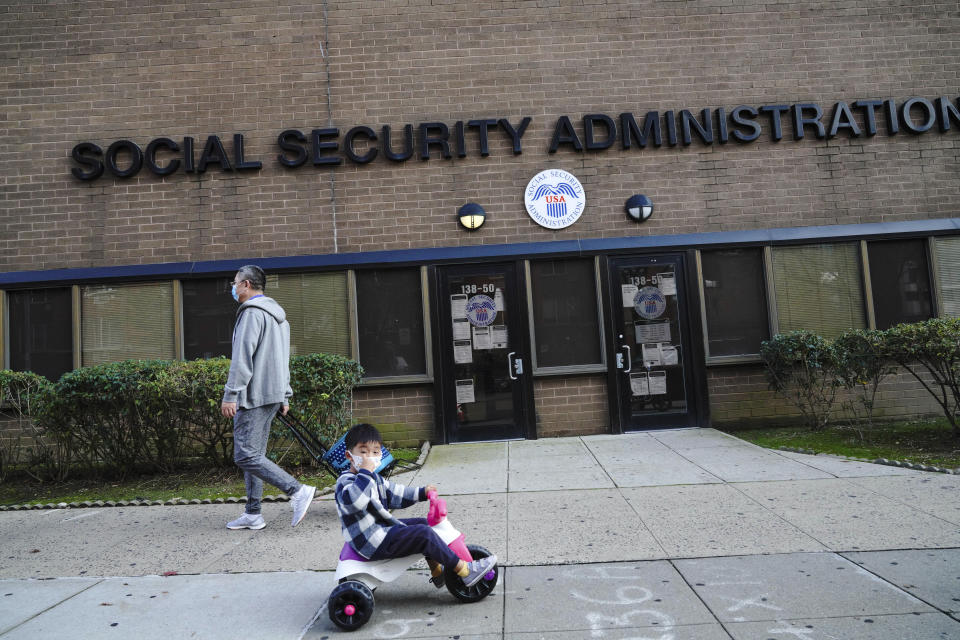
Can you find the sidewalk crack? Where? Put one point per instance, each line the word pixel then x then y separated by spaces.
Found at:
pixel 56 604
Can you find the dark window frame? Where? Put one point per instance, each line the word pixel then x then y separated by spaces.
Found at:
pixel 8 327
pixel 765 279
pixel 926 270
pixel 427 337
pixel 542 371
pixel 380 380
pixel 222 296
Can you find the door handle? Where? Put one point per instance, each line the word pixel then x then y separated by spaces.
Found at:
pixel 629 359
pixel 510 365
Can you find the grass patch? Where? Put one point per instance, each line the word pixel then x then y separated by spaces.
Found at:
pixel 929 442
pixel 188 484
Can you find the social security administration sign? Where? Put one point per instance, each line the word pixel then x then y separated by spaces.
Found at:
pixel 554 199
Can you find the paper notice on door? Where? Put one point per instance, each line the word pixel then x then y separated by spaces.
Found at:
pixel 629 291
pixel 659 332
pixel 658 383
pixel 498 300
pixel 638 384
pixel 668 284
pixel 482 338
pixel 461 329
pixel 465 391
pixel 462 352
pixel 499 336
pixel 651 355
pixel 458 305
pixel 668 353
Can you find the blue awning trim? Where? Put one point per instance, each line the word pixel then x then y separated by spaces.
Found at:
pixel 468 253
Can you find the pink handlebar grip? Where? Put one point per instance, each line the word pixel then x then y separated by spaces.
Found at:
pixel 438 508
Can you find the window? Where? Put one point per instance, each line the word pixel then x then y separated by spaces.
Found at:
pixel 126 322
pixel 565 316
pixel 41 331
pixel 390 323
pixel 317 310
pixel 818 288
pixel 209 313
pixel 900 282
pixel 948 274
pixel 735 301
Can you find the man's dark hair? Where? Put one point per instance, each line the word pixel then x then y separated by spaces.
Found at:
pixel 360 433
pixel 253 273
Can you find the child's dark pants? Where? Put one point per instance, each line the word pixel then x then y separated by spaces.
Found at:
pixel 416 537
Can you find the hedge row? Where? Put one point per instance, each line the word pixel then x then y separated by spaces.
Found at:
pixel 151 415
pixel 809 370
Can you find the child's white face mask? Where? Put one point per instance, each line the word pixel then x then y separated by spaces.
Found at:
pixel 358 460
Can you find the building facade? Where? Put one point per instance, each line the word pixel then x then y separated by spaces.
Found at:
pixel 523 218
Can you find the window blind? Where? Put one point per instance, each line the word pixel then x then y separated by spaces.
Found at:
pixel 948 273
pixel 126 322
pixel 317 310
pixel 818 288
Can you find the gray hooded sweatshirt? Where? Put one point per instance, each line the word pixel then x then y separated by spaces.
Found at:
pixel 260 368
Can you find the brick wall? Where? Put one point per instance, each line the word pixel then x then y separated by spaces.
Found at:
pixel 404 415
pixel 130 69
pixel 739 395
pixel 574 405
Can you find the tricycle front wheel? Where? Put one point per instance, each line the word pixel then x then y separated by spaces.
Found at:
pixel 350 605
pixel 479 591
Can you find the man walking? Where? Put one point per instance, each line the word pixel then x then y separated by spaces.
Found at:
pixel 257 387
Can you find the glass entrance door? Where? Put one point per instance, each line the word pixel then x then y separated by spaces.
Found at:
pixel 485 378
pixel 652 358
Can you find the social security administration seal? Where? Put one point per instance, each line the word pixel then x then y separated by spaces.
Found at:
pixel 554 199
pixel 481 310
pixel 649 303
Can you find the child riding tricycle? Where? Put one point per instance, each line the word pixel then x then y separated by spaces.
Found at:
pixel 379 548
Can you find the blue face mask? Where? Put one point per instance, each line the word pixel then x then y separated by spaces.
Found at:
pixel 233 292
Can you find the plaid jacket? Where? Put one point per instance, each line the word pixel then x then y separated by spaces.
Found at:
pixel 364 519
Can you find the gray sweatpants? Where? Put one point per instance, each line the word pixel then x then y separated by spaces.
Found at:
pixel 251 428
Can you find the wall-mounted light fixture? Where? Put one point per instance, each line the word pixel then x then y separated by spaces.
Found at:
pixel 639 207
pixel 471 215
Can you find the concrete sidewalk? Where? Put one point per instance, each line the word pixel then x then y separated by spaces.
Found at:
pixel 670 534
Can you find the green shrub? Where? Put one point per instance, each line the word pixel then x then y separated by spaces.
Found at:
pixel 115 416
pixel 803 367
pixel 194 390
pixel 322 392
pixel 863 361
pixel 26 444
pixel 934 346
pixel 155 415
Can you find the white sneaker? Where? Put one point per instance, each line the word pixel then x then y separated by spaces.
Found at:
pixel 301 501
pixel 247 521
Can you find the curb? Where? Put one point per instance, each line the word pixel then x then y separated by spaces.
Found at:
pixel 890 463
pixel 86 504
